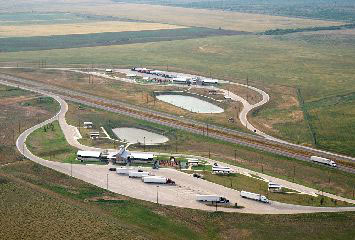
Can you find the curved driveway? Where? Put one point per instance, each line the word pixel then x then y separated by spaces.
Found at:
pixel 181 195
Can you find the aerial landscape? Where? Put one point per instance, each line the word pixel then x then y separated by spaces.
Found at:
pixel 177 119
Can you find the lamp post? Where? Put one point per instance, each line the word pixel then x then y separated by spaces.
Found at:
pixel 157 194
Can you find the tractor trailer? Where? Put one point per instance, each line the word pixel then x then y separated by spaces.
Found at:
pixel 254 196
pixel 323 161
pixel 211 199
pixel 137 174
pixel 157 179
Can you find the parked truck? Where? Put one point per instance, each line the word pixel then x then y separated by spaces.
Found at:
pixel 254 196
pixel 323 161
pixel 137 174
pixel 157 179
pixel 124 170
pixel 211 199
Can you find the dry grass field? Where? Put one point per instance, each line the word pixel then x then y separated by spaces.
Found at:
pixel 203 18
pixel 175 15
pixel 80 28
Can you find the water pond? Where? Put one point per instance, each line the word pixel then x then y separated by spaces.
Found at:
pixel 135 135
pixel 190 103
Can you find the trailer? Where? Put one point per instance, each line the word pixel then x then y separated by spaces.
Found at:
pixel 211 199
pixel 221 170
pixel 254 196
pixel 157 179
pixel 137 174
pixel 322 160
pixel 124 170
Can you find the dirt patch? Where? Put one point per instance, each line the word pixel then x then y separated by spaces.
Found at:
pixel 297 115
pixel 236 234
pixel 288 101
pixel 13 100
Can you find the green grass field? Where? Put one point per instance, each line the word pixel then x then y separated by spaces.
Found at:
pixel 58 206
pixel 17 44
pixel 49 143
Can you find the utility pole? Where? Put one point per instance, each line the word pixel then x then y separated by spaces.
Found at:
pixel 176 142
pixel 294 172
pixel 235 154
pixel 71 167
pixel 107 181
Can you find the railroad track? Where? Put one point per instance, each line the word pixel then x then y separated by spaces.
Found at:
pixel 193 126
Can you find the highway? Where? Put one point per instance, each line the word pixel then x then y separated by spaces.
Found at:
pixel 261 143
pixel 183 194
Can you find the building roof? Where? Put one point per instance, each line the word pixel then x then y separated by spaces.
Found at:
pixel 95 154
pixel 137 155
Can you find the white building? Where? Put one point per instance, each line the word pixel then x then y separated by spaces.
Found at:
pixel 125 156
pixel 88 125
pixel 88 156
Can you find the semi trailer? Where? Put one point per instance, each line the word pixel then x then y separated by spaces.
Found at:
pixel 254 196
pixel 322 160
pixel 157 179
pixel 211 199
pixel 137 174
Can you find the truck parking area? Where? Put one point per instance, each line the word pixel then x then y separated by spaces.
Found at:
pixel 183 194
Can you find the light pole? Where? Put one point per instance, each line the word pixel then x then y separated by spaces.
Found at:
pixel 144 143
pixel 71 167
pixel 107 181
pixel 157 194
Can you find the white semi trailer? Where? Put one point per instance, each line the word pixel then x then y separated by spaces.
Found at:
pixel 323 161
pixel 137 174
pixel 254 196
pixel 157 179
pixel 124 170
pixel 211 199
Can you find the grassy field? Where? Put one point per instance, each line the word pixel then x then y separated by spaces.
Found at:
pixel 49 143
pixel 342 10
pixel 72 209
pixel 19 111
pixel 307 174
pixel 15 44
pixel 80 28
pixel 175 15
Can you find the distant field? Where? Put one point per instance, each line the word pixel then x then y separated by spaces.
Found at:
pixel 14 44
pixel 80 28
pixel 177 15
pixel 343 10
pixel 203 18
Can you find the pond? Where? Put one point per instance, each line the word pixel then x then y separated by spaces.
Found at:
pixel 136 135
pixel 191 104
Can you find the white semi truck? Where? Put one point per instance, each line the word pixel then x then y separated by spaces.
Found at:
pixel 323 161
pixel 137 174
pixel 254 196
pixel 124 170
pixel 211 199
pixel 157 179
